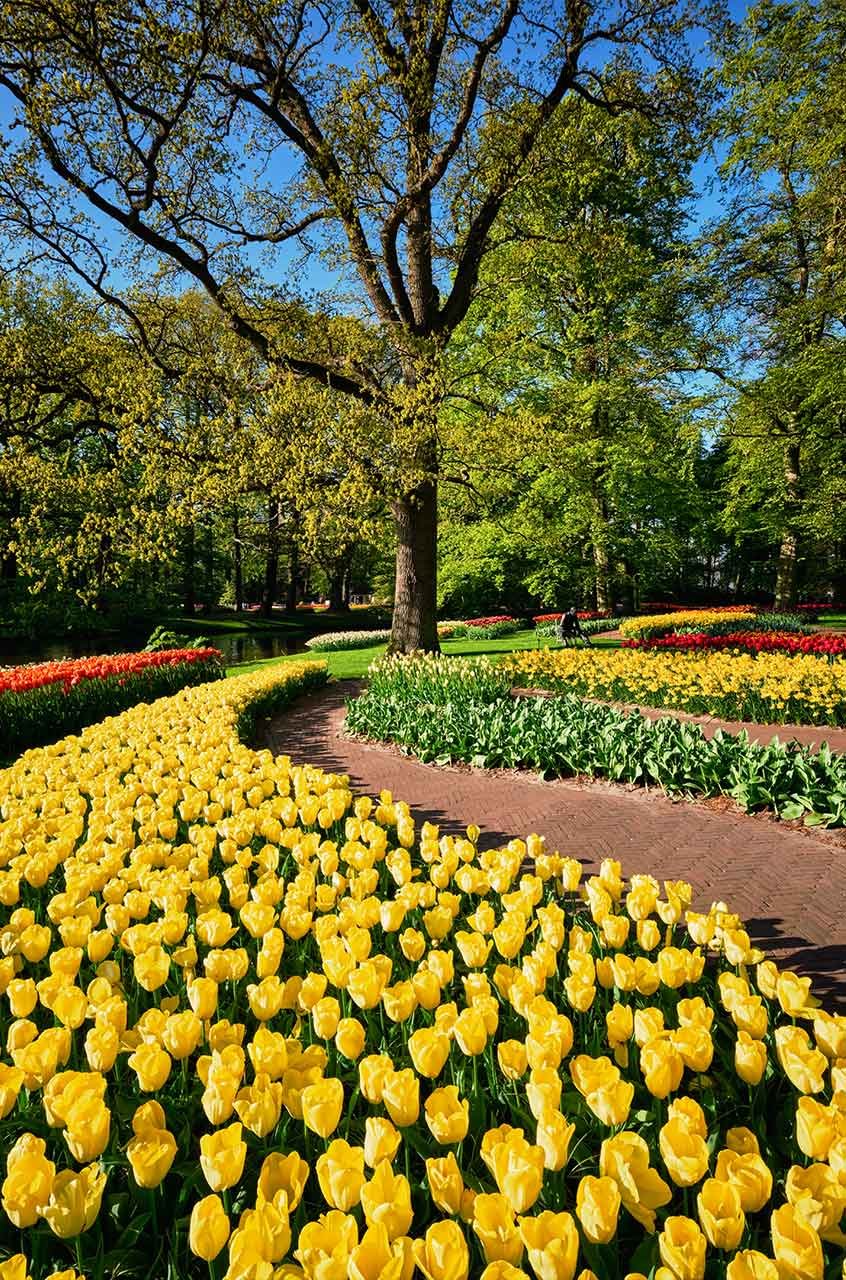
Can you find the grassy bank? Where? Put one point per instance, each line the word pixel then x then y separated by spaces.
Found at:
pixel 352 664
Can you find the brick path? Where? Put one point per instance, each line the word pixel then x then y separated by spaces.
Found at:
pixel 789 885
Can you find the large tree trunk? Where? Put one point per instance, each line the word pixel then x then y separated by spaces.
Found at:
pixel 415 591
pixel 271 564
pixel 788 554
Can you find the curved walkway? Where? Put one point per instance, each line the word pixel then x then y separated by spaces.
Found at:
pixel 788 884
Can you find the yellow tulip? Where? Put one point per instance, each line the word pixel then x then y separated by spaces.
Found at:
pixel 151 1065
pixel 682 1247
pixel 496 1228
pixel 597 1208
pixel 222 1156
pixel 446 1185
pixel 552 1243
pixel 447 1115
pixel 443 1253
pixel 372 1072
pixel 401 1096
pixel 720 1213
pixel 287 1174
pixel 683 1151
pixel 28 1181
pixel 625 1158
pixel 796 1245
pixel 750 1058
pixel 518 1170
pixel 554 1136
pixel 749 1175
pixel 350 1038
pixel 386 1200
pixel 150 1155
pixel 381 1141
pixel 208 1229
pixel 662 1066
pixel 375 1258
pixel 322 1104
pixel 804 1066
pixel 748 1264
pixel 429 1050
pixel 74 1201
pixel 325 1245
pixel 340 1172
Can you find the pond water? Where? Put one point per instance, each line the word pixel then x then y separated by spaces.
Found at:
pixel 236 647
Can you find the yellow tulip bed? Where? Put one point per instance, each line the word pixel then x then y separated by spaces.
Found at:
pixel 258 1028
pixel 770 688
pixel 659 624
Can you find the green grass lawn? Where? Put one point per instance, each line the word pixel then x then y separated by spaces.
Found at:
pixel 352 664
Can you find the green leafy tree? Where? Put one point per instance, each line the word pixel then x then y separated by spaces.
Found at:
pixel 204 134
pixel 780 274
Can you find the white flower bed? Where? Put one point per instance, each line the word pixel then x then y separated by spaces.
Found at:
pixel 347 640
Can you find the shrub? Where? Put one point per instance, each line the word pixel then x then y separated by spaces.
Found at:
pixel 161 639
pixel 43 702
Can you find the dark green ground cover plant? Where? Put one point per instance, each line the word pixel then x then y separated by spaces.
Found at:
pixel 448 710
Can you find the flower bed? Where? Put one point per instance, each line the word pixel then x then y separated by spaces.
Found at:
pixel 333 640
pixel 820 643
pixel 42 702
pixel 708 621
pixel 768 688
pixel 447 710
pixel 584 615
pixel 591 627
pixel 308 1032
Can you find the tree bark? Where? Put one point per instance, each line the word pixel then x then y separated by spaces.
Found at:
pixel 189 598
pixel 788 554
pixel 415 591
pixel 293 584
pixel 271 564
pixel 237 561
pixel 601 555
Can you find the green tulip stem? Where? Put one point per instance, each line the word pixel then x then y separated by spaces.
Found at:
pixel 78 1249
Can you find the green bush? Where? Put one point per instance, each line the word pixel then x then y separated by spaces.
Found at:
pixel 464 715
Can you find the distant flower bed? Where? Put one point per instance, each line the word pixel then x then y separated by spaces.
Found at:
pixel 347 640
pixel 831 646
pixel 767 688
pixel 707 621
pixel 499 624
pixel 584 615
pixel 47 700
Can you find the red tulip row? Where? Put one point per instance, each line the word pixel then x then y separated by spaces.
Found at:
pixel 830 646
pixel 44 702
pixel 71 671
pixel 489 622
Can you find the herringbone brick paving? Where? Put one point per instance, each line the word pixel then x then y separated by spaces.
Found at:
pixel 789 885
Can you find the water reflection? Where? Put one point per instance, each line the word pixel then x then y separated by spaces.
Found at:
pixel 236 647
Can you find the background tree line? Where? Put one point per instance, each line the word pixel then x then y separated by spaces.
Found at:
pixel 544 371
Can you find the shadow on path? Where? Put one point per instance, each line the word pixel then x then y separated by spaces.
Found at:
pixel 788 885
